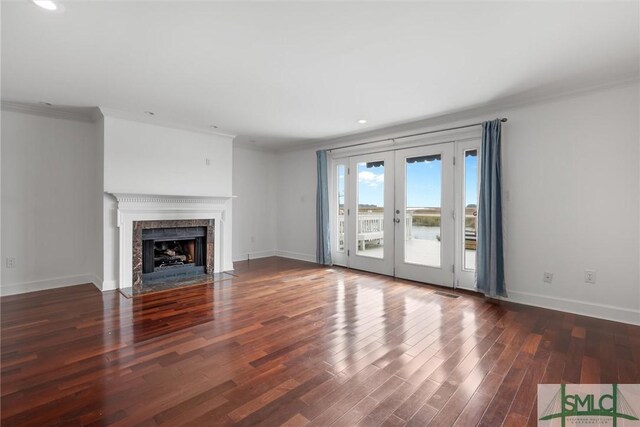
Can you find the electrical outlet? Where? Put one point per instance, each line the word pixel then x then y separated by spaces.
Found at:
pixel 10 262
pixel 590 276
pixel 547 277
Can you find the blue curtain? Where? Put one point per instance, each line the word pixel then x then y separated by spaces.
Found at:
pixel 323 252
pixel 490 257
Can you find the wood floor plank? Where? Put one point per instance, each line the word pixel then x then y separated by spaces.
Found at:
pixel 292 343
pixel 384 410
pixel 257 403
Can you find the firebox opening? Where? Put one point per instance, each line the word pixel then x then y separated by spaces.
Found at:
pixel 173 253
pixel 168 254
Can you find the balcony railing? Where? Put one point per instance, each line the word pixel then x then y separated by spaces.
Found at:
pixel 371 227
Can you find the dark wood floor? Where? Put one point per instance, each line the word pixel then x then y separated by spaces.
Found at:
pixel 290 342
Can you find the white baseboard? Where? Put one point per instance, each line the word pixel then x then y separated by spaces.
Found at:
pixel 296 255
pixel 40 285
pixel 601 311
pixel 254 255
pixel 583 308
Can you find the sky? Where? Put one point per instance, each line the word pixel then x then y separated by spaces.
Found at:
pixel 423 183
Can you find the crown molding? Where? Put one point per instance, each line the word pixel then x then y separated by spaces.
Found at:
pixel 154 120
pixel 252 147
pixel 92 114
pixel 475 112
pixel 82 114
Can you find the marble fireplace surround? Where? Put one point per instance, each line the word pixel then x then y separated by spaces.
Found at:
pixel 136 242
pixel 133 208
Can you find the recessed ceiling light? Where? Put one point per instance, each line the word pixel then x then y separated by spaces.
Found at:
pixel 46 104
pixel 362 121
pixel 46 4
pixel 213 126
pixel 150 113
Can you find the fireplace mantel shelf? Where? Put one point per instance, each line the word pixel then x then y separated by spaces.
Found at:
pixel 165 198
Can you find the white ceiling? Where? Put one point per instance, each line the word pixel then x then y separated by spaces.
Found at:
pixel 287 73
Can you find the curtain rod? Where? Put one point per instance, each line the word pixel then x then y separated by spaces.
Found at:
pixel 504 119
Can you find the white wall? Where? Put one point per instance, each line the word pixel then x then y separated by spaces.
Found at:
pixel 571 167
pixel 254 209
pixel 50 182
pixel 98 232
pixel 144 158
pixel 152 159
pixel 297 178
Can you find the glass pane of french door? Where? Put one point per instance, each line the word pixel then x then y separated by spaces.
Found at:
pixel 370 213
pixel 338 205
pixel 423 206
pixel 471 180
pixel 467 189
pixel 370 209
pixel 424 214
pixel 341 173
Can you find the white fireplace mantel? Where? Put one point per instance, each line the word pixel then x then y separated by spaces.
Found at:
pixel 157 207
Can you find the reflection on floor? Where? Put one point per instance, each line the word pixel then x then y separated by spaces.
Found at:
pixel 297 343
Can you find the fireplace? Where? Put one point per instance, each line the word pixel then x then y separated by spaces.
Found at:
pixel 171 251
pixel 134 212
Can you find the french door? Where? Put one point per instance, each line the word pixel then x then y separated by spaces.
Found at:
pixel 424 196
pixel 410 213
pixel 370 213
